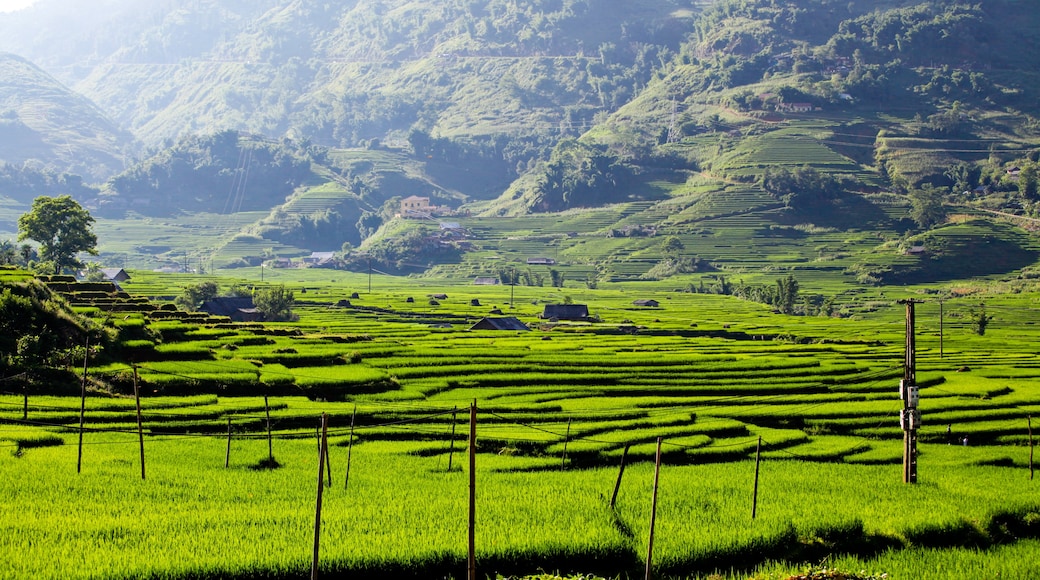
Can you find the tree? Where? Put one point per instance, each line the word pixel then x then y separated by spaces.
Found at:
pixel 1029 181
pixel 787 294
pixel 63 229
pixel 979 320
pixel 673 246
pixel 557 278
pixel 275 303
pixel 194 295
pixel 926 206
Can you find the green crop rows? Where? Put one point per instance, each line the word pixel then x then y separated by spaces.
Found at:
pixel 557 408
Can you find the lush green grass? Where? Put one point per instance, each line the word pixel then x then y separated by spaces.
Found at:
pixel 557 408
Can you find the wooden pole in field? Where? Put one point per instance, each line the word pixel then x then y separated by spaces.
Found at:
pixel 620 473
pixel 227 455
pixel 1029 424
pixel 140 429
pixel 940 328
pixel 758 461
pixel 350 446
pixel 270 444
pixel 653 514
pixel 473 491
pixel 321 489
pixel 566 440
pixel 451 444
pixel 328 461
pixel 25 402
pixel 83 404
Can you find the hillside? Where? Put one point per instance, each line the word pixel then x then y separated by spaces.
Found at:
pixel 343 73
pixel 796 136
pixel 47 126
pixel 892 94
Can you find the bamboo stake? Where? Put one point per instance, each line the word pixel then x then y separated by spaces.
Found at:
pixel 1029 424
pixel 621 472
pixel 758 461
pixel 227 455
pixel 270 444
pixel 653 514
pixel 140 429
pixel 350 446
pixel 321 489
pixel 566 440
pixel 451 448
pixel 328 462
pixel 83 404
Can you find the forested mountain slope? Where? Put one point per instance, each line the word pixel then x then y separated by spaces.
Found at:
pixel 50 126
pixel 901 93
pixel 339 73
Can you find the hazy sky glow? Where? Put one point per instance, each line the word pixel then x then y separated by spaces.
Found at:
pixel 12 5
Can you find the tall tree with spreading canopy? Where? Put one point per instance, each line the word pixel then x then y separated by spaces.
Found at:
pixel 63 229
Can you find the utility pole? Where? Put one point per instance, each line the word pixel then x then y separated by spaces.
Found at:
pixel 370 274
pixel 512 285
pixel 910 418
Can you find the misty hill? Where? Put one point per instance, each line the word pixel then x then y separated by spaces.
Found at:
pixel 343 73
pixel 51 128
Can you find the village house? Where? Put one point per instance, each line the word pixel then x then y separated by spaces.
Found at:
pixel 646 303
pixel 795 107
pixel 238 309
pixel 321 259
pixel 116 275
pixel 541 262
pixel 565 312
pixel 485 281
pixel 415 205
pixel 503 323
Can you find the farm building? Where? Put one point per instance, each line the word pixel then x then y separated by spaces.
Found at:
pixel 795 107
pixel 540 262
pixel 320 259
pixel 485 281
pixel 414 204
pixel 504 323
pixel 566 312
pixel 238 309
pixel 646 303
pixel 115 274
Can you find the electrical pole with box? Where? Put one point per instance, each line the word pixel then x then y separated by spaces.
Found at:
pixel 910 417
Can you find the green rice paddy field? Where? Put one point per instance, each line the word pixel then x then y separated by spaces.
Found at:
pixel 557 407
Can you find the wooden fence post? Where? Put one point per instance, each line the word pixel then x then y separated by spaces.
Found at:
pixel 620 473
pixel 321 489
pixel 758 461
pixel 324 443
pixel 1029 424
pixel 653 514
pixel 83 404
pixel 566 440
pixel 451 444
pixel 227 455
pixel 350 446
pixel 270 444
pixel 472 490
pixel 140 429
